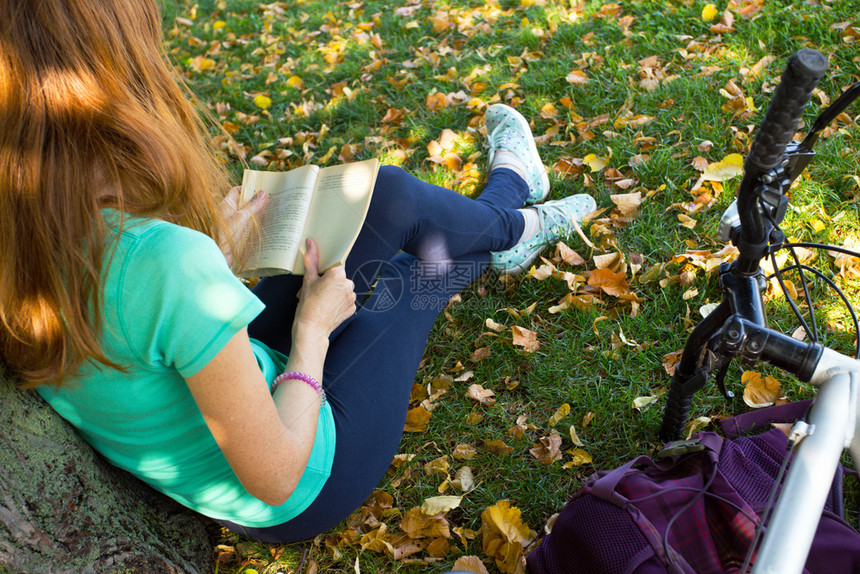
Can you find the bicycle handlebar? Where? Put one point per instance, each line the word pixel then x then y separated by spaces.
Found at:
pixel 763 164
pixel 802 73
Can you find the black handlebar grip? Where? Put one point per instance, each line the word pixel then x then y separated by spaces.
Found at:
pixel 802 73
pixel 677 411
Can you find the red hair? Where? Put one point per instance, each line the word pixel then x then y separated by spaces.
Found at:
pixel 91 116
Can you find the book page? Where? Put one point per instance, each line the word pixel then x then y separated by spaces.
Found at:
pixel 281 223
pixel 338 208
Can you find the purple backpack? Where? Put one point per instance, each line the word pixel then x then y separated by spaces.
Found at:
pixel 692 509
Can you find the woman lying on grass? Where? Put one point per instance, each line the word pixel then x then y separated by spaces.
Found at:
pixel 274 411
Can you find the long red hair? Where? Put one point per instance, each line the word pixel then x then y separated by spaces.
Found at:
pixel 91 116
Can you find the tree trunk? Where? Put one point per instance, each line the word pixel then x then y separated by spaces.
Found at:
pixel 64 509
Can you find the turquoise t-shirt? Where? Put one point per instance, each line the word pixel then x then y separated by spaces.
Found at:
pixel 170 305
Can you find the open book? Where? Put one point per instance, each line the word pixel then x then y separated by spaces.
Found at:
pixel 326 204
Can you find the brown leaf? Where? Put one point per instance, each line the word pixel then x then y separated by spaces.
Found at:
pixel 439 548
pixel 568 255
pixel 548 449
pixel 478 393
pixel 418 525
pixel 627 203
pixel 525 338
pixel 480 354
pixel 498 447
pixel 609 282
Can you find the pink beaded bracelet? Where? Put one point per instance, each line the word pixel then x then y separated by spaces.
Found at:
pixel 295 375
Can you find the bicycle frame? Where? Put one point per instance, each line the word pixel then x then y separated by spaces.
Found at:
pixel 737 328
pixel 831 426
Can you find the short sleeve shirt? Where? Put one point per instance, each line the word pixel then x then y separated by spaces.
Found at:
pixel 170 305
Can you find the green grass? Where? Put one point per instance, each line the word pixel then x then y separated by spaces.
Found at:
pixel 521 53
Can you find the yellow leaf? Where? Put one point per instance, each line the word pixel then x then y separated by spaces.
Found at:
pixel 574 438
pixel 262 101
pixel 219 24
pixel 438 467
pixel 417 419
pixel 201 64
pixel 439 504
pixel 498 447
pixel 562 412
pixel 295 82
pixel 577 77
pixel 731 166
pixel 418 525
pixel 493 326
pixel 640 402
pixel 709 12
pixel 504 535
pixel 580 457
pixel 464 452
pixel 760 391
pixel 596 163
pixel 470 564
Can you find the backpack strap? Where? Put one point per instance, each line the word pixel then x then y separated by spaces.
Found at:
pixel 604 487
pixel 758 420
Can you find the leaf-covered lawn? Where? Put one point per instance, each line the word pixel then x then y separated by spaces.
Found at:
pixel 531 383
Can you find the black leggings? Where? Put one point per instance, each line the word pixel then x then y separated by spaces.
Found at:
pixel 420 245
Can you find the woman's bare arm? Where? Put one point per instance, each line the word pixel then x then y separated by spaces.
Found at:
pixel 268 439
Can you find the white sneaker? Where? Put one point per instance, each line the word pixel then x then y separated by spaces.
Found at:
pixel 508 130
pixel 555 219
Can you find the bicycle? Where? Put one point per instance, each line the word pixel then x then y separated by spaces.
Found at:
pixel 737 328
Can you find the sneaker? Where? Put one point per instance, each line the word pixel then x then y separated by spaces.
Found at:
pixel 555 219
pixel 508 130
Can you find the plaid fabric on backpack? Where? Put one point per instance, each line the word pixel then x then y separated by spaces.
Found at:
pixel 693 509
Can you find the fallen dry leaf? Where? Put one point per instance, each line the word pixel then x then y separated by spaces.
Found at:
pixel 440 504
pixel 609 282
pixel 418 525
pixel 470 564
pixel 559 414
pixel 464 452
pixel 525 338
pixel 580 457
pixel 465 480
pixel 417 419
pixel 760 391
pixel 548 449
pixel 478 393
pixel 504 535
pixel 498 447
pixel 640 402
pixel 574 438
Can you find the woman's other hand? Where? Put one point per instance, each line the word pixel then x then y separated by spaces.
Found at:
pixel 325 301
pixel 238 219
